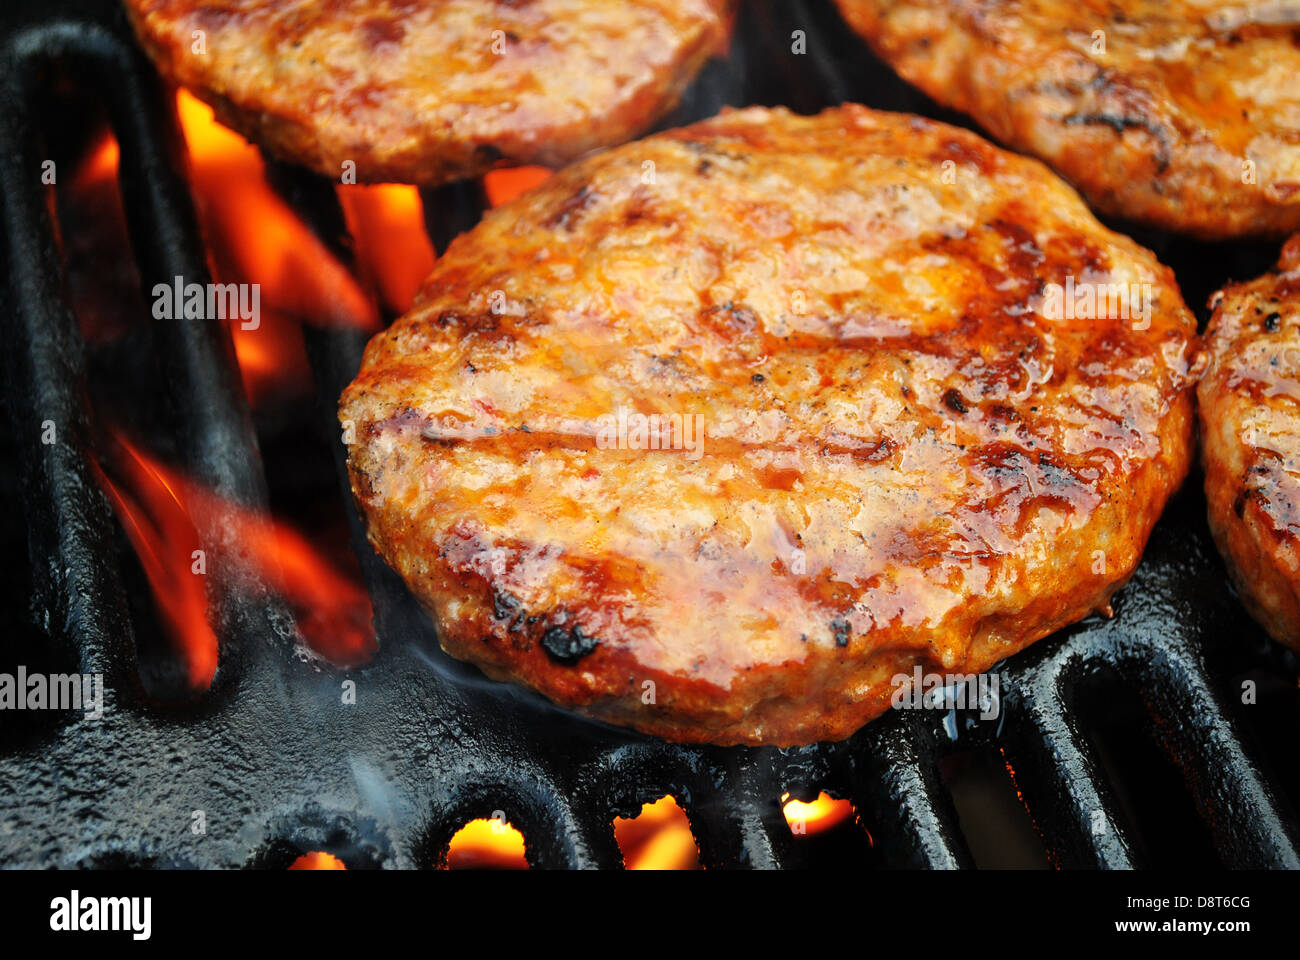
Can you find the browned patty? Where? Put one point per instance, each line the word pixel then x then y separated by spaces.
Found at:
pixel 427 91
pixel 1183 114
pixel 1250 429
pixel 904 460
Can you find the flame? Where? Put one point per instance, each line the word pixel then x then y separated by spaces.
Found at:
pixel 487 844
pixel 100 165
pixel 156 506
pixel 822 814
pixel 90 229
pixel 504 185
pixel 394 254
pixel 256 238
pixel 317 860
pixel 267 243
pixel 658 838
pixel 157 522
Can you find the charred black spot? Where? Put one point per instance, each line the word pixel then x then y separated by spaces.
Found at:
pixel 568 645
pixel 1122 122
pixel 487 154
pixel 406 417
pixel 639 208
pixel 841 629
pixel 571 210
pixel 757 378
pixel 709 149
pixel 1272 322
pixel 953 400
pixel 734 315
pixel 505 606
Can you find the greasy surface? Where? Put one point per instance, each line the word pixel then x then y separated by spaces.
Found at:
pixel 1250 429
pixel 904 463
pixel 1189 119
pixel 426 91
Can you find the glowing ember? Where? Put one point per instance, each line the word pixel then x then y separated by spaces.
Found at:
pixel 487 845
pixel 156 504
pixel 658 838
pixel 504 185
pixel 821 815
pixel 394 254
pixel 317 860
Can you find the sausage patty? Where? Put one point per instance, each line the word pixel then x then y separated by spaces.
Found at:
pixel 1250 429
pixel 882 440
pixel 1182 114
pixel 427 91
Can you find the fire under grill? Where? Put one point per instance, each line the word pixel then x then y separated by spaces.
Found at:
pixel 1121 742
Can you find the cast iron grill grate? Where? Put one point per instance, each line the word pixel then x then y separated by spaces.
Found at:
pixel 278 765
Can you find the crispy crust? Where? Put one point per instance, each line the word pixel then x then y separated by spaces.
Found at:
pixel 1250 429
pixel 1157 129
pixel 425 92
pixel 904 462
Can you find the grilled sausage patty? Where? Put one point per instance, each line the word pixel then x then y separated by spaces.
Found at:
pixel 1250 429
pixel 903 461
pixel 1183 114
pixel 427 91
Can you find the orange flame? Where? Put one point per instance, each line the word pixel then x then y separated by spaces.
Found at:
pixel 265 240
pixel 100 165
pixel 256 238
pixel 505 184
pixel 487 844
pixel 822 814
pixel 394 254
pixel 157 522
pixel 317 860
pixel 658 838
pixel 333 611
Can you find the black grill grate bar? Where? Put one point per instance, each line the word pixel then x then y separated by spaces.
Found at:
pixel 205 382
pixel 76 600
pixel 1248 821
pixel 201 383
pixel 896 786
pixel 1056 772
pixel 451 210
